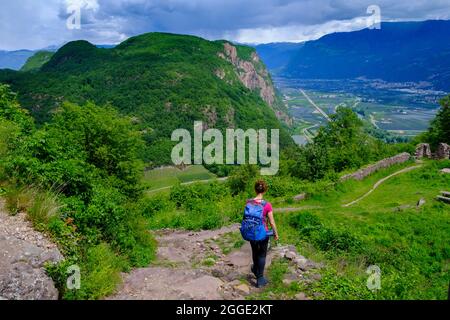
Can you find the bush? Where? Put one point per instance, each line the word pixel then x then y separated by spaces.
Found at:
pixel 311 229
pixel 242 178
pixel 283 186
pixel 185 196
pixel 90 154
pixel 154 204
pixel 100 274
pixel 18 199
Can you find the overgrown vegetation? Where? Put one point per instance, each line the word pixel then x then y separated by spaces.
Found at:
pixel 78 178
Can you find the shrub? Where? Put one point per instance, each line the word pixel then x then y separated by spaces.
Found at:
pixel 18 199
pixel 154 204
pixel 186 195
pixel 241 179
pixel 310 228
pixel 45 206
pixel 100 274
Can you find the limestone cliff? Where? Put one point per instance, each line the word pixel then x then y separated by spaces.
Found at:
pixel 253 75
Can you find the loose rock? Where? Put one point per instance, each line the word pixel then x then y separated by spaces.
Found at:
pixel 243 288
pixel 290 255
pixel 300 296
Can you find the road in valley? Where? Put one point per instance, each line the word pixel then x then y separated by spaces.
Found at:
pixel 315 106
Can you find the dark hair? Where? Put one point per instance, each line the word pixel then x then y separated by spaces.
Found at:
pixel 261 186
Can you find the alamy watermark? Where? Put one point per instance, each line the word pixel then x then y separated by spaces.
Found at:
pixel 374 21
pixel 74 9
pixel 235 142
pixel 74 279
pixel 374 280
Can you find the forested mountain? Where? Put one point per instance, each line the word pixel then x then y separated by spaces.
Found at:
pixel 397 52
pixel 164 81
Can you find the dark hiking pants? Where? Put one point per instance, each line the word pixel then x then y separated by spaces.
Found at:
pixel 259 252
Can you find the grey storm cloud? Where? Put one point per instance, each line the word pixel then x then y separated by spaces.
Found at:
pixel 36 24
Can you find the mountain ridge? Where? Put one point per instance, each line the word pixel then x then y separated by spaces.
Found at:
pixel 387 54
pixel 164 81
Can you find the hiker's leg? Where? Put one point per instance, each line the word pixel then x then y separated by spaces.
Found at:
pixel 262 252
pixel 254 245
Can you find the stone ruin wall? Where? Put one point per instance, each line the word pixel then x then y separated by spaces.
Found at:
pixel 443 151
pixel 423 150
pixel 385 163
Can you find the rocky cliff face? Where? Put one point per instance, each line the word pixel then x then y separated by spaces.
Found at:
pixel 254 76
pixel 249 74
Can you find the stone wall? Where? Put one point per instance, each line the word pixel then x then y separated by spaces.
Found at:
pixel 443 151
pixel 423 151
pixel 385 163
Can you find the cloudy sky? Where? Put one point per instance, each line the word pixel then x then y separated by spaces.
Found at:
pixel 34 24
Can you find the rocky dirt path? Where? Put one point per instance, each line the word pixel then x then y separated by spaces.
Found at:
pixel 206 265
pixel 23 253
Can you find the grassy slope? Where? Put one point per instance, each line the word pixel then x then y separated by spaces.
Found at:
pixel 36 61
pixel 169 176
pixel 410 245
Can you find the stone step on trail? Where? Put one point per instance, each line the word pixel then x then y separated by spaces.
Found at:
pixel 179 274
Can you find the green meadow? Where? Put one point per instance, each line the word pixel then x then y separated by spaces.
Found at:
pixel 167 176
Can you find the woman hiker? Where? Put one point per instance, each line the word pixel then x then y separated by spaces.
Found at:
pixel 258 209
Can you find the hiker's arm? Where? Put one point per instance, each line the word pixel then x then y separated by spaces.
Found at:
pixel 272 223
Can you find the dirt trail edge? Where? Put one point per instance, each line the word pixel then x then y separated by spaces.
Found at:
pixel 206 265
pixel 23 254
pixel 379 182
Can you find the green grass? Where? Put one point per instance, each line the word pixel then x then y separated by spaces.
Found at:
pixel 169 176
pixel 411 246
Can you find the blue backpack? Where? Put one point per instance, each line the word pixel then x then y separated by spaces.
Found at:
pixel 252 227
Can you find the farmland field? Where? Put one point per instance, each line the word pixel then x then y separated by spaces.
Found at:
pixel 167 176
pixel 389 107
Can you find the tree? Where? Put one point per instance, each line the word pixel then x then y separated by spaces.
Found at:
pixel 10 109
pixel 340 145
pixel 439 130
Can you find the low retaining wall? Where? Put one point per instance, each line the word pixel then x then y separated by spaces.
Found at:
pixel 385 163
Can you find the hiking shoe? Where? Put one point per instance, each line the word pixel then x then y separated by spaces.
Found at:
pixel 261 282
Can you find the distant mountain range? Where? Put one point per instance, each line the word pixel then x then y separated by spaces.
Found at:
pixel 276 55
pixel 16 59
pixel 398 52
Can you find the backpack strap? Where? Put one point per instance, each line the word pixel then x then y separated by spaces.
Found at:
pixel 263 202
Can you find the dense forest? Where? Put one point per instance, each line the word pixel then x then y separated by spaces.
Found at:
pixel 163 81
